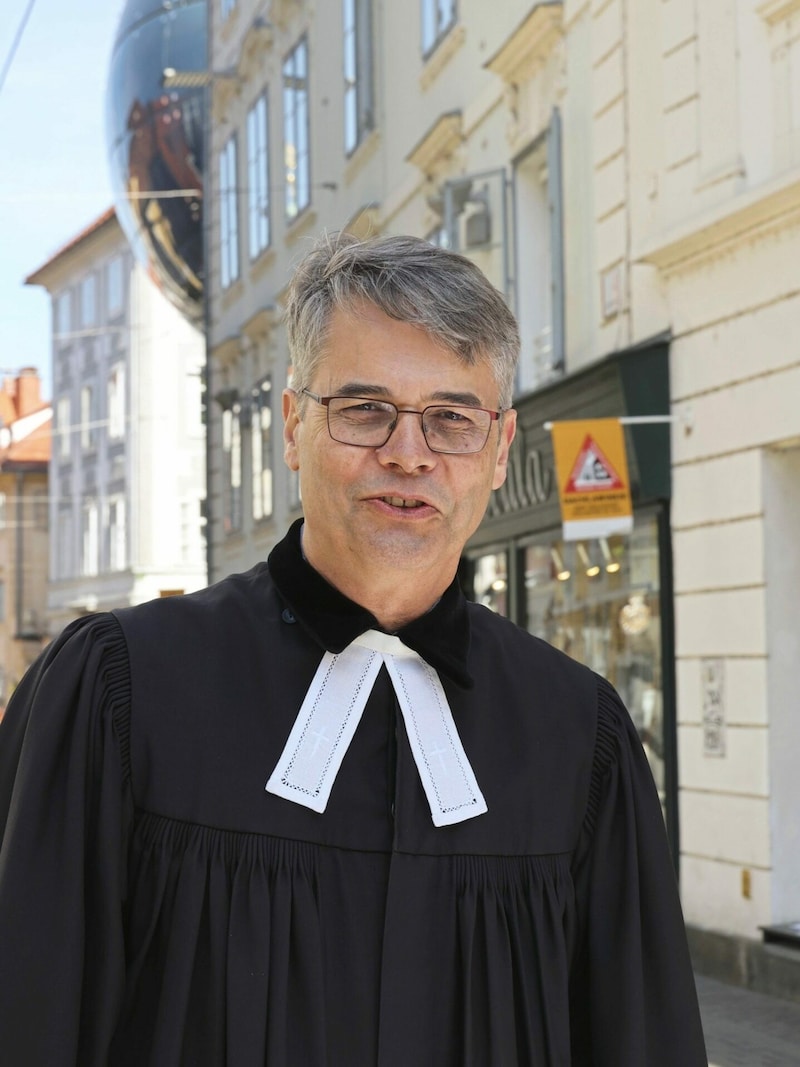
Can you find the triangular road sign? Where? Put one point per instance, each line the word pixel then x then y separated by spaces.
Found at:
pixel 592 470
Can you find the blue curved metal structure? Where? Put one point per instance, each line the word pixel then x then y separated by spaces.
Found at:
pixel 156 134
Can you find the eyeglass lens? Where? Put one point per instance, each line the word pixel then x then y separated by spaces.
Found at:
pixel 447 428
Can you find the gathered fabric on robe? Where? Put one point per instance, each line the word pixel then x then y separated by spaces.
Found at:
pixel 159 908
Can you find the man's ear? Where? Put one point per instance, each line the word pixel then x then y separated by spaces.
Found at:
pixel 508 429
pixel 291 424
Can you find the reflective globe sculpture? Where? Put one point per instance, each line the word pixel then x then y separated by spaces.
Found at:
pixel 155 124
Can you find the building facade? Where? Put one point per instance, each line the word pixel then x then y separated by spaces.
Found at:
pixel 628 174
pixel 127 465
pixel 25 432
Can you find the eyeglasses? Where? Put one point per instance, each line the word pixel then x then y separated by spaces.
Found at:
pixel 368 423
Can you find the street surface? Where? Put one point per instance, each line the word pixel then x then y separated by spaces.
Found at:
pixel 745 1029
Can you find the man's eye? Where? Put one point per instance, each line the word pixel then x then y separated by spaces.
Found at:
pixel 453 416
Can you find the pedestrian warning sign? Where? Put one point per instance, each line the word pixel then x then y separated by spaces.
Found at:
pixel 592 472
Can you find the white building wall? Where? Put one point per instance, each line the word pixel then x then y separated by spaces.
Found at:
pixel 155 465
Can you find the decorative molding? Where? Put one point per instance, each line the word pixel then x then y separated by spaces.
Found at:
pixel 774 11
pixel 258 326
pixel 281 11
pixel 529 46
pixel 440 141
pixel 227 351
pixel 225 85
pixel 234 292
pixel 365 222
pixel 256 42
pixel 442 55
pixel 751 214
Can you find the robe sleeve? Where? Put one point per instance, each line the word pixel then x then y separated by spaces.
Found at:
pixel 633 996
pixel 65 811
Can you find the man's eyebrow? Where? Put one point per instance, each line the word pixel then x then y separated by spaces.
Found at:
pixel 441 396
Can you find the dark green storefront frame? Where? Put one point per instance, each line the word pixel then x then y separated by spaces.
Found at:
pixel 634 381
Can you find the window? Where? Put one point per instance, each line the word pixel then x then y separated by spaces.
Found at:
pixel 261 450
pixel 438 16
pixel 258 175
pixel 295 130
pixel 114 288
pixel 87 417
pixel 116 545
pixel 63 429
pixel 232 447
pixel 89 301
pixel 540 278
pixel 63 316
pixel 63 547
pixel 90 538
pixel 228 220
pixel 116 402
pixel 358 102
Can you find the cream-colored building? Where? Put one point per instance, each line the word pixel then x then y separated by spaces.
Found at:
pixel 627 172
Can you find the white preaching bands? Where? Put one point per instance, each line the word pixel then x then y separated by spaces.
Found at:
pixel 332 710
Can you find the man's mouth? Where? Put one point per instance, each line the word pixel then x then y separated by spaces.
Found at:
pixel 402 502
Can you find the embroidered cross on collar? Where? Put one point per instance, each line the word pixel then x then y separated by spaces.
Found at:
pixel 354 651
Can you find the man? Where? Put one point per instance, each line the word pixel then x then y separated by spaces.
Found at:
pixel 327 812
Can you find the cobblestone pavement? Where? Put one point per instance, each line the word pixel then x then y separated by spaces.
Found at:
pixel 745 1029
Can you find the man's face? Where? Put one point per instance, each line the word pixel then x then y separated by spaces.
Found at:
pixel 355 500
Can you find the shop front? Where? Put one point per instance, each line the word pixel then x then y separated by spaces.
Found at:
pixel 605 601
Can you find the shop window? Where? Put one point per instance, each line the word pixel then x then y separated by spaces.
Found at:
pixel 600 602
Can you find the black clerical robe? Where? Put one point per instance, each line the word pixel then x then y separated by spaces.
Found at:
pixel 159 907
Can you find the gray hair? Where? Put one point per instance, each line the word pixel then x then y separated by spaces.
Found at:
pixel 408 279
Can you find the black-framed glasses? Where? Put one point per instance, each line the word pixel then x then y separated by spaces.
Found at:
pixel 368 423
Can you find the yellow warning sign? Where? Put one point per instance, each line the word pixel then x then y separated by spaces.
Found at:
pixel 592 473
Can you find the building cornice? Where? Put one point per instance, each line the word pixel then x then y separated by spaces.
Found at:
pixel 758 211
pixel 529 45
pixel 439 142
pixel 260 324
pixel 774 11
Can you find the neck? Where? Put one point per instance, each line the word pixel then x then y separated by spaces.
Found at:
pixel 394 598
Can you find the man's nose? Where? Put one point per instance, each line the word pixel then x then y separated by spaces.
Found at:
pixel 407 447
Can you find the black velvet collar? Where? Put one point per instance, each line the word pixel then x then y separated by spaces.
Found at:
pixel 441 636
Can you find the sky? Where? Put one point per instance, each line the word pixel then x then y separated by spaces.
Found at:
pixel 54 175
